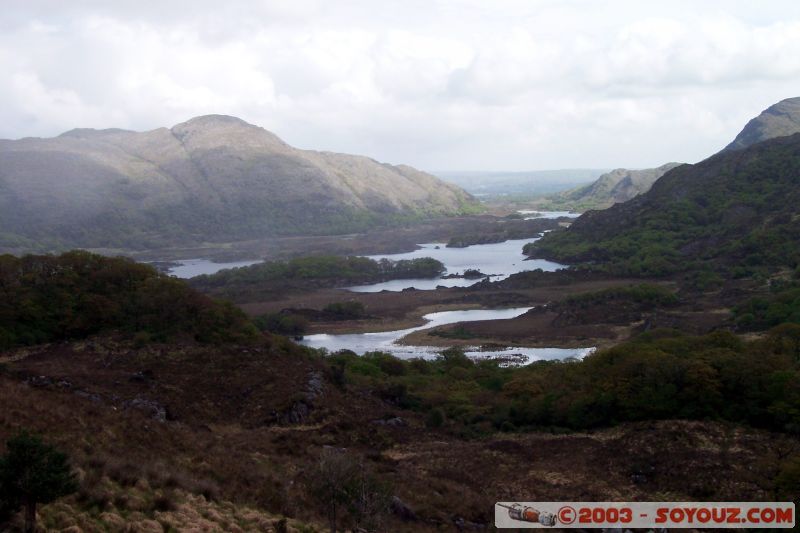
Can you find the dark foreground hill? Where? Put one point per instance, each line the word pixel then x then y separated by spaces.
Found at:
pixel 211 179
pixel 735 213
pixel 190 433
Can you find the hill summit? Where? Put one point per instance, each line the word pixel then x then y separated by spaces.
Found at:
pixel 211 179
pixel 778 120
pixel 619 185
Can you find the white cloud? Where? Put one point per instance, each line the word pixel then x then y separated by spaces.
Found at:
pixel 510 84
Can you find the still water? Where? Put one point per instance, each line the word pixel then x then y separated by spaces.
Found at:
pixel 498 260
pixel 190 268
pixel 386 341
pixel 547 214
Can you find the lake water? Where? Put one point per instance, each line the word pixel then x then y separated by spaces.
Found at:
pixel 547 214
pixel 499 260
pixel 385 341
pixel 190 268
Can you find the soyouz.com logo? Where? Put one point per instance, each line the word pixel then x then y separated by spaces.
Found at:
pixel 583 515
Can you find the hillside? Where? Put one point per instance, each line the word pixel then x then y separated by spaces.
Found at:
pixel 213 178
pixel 178 433
pixel 736 213
pixel 619 185
pixel 778 120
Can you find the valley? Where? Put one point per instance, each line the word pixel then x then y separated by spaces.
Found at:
pixel 248 336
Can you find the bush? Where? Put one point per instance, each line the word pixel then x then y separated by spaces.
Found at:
pixel 323 267
pixel 32 472
pixel 50 298
pixel 435 418
pixel 787 482
pixel 767 311
pixel 661 374
pixel 282 323
pixel 346 310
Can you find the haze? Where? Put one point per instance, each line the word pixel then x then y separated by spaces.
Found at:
pixel 511 85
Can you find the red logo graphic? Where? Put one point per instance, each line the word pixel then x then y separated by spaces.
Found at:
pixel 566 515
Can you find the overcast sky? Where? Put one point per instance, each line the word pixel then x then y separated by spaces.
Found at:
pixel 439 84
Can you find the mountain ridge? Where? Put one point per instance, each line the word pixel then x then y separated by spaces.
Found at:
pixel 618 185
pixel 733 213
pixel 778 120
pixel 211 178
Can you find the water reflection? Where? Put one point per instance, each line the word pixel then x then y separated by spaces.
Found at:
pixel 385 341
pixel 499 260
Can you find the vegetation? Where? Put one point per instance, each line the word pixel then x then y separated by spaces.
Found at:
pixel 659 375
pixel 513 226
pixel 345 310
pixel 733 214
pixel 645 293
pixel 32 472
pixel 762 312
pixel 50 298
pixel 263 280
pixel 282 323
pixel 612 187
pixel 324 267
pixel 340 483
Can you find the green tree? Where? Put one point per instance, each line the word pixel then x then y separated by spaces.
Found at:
pixel 33 472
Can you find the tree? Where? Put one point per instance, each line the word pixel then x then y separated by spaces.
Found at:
pixel 33 472
pixel 332 482
pixel 339 481
pixel 370 500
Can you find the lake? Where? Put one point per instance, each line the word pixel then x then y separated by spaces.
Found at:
pixel 386 341
pixel 547 214
pixel 499 260
pixel 189 268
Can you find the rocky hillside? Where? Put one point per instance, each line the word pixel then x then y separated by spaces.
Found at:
pixel 777 120
pixel 213 178
pixel 619 185
pixel 734 213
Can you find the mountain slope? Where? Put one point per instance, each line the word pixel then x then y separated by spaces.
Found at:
pixel 734 212
pixel 778 120
pixel 213 178
pixel 619 185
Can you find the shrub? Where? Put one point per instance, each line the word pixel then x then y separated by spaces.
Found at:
pixel 32 472
pixel 346 310
pixel 49 298
pixel 282 323
pixel 435 418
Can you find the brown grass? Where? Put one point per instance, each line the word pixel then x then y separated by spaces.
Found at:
pixel 223 461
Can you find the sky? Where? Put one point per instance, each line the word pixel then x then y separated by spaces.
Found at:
pixel 438 84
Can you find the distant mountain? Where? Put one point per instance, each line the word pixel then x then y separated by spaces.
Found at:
pixel 523 183
pixel 777 120
pixel 617 186
pixel 734 213
pixel 211 179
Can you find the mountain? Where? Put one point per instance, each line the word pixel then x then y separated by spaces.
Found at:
pixel 777 120
pixel 735 213
pixel 213 178
pixel 613 187
pixel 519 184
